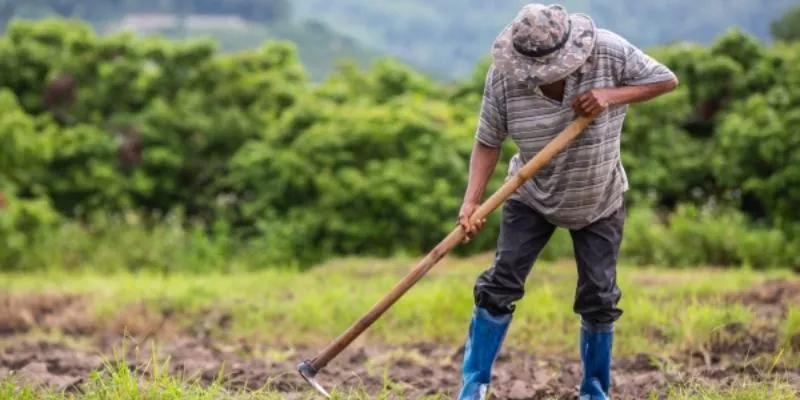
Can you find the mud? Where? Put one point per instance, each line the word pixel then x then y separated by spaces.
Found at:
pixel 415 370
pixel 20 313
pixel 770 300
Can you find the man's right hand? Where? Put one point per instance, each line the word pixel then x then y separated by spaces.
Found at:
pixel 467 209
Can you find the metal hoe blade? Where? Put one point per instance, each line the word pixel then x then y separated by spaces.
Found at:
pixel 308 372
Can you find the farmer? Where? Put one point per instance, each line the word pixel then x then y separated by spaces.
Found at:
pixel 549 66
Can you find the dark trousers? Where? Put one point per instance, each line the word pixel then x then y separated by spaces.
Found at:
pixel 524 233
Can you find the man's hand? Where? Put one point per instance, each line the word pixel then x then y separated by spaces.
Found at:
pixel 596 100
pixel 467 209
pixel 593 102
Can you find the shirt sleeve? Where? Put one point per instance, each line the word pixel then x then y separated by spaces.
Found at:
pixel 638 68
pixel 492 129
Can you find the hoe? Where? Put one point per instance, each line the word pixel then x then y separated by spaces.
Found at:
pixel 308 369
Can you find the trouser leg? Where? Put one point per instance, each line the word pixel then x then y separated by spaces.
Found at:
pixel 523 234
pixel 597 295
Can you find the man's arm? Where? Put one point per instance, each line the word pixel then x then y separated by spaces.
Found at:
pixel 639 93
pixel 639 78
pixel 481 165
pixel 490 134
pixel 596 100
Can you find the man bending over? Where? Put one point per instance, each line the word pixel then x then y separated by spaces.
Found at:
pixel 549 65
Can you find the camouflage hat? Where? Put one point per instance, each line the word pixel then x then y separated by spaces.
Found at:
pixel 544 44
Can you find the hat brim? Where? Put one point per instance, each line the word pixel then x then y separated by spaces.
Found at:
pixel 550 68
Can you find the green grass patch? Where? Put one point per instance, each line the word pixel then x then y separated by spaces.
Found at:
pixel 664 309
pixel 742 390
pixel 790 338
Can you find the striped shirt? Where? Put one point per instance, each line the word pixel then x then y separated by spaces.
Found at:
pixel 586 181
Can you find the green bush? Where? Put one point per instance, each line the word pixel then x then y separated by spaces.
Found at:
pixel 21 221
pixel 694 236
pixel 172 244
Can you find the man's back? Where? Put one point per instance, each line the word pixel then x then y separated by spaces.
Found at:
pixel 586 181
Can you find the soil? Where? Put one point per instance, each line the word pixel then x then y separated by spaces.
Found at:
pixel 416 370
pixel 770 300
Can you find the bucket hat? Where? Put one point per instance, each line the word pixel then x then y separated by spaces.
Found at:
pixel 543 44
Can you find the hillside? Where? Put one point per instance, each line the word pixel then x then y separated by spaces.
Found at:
pixel 319 48
pixel 449 36
pixel 443 38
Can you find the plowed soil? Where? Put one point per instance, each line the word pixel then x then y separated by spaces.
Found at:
pixel 416 370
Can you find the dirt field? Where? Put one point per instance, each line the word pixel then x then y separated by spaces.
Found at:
pixel 735 354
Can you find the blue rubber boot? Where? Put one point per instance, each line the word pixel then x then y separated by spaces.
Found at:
pixel 596 344
pixel 486 334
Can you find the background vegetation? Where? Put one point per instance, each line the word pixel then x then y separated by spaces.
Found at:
pixel 162 145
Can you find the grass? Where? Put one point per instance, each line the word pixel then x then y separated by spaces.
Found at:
pixel 666 311
pixel 744 391
pixel 790 336
pixel 121 384
pixel 290 307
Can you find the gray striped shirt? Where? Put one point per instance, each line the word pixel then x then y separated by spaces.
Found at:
pixel 586 181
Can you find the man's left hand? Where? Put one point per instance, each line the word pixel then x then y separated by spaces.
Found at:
pixel 593 102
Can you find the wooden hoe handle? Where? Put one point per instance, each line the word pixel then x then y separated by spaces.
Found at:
pixel 454 238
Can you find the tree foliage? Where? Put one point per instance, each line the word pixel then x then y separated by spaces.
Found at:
pixel 787 27
pixel 369 162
